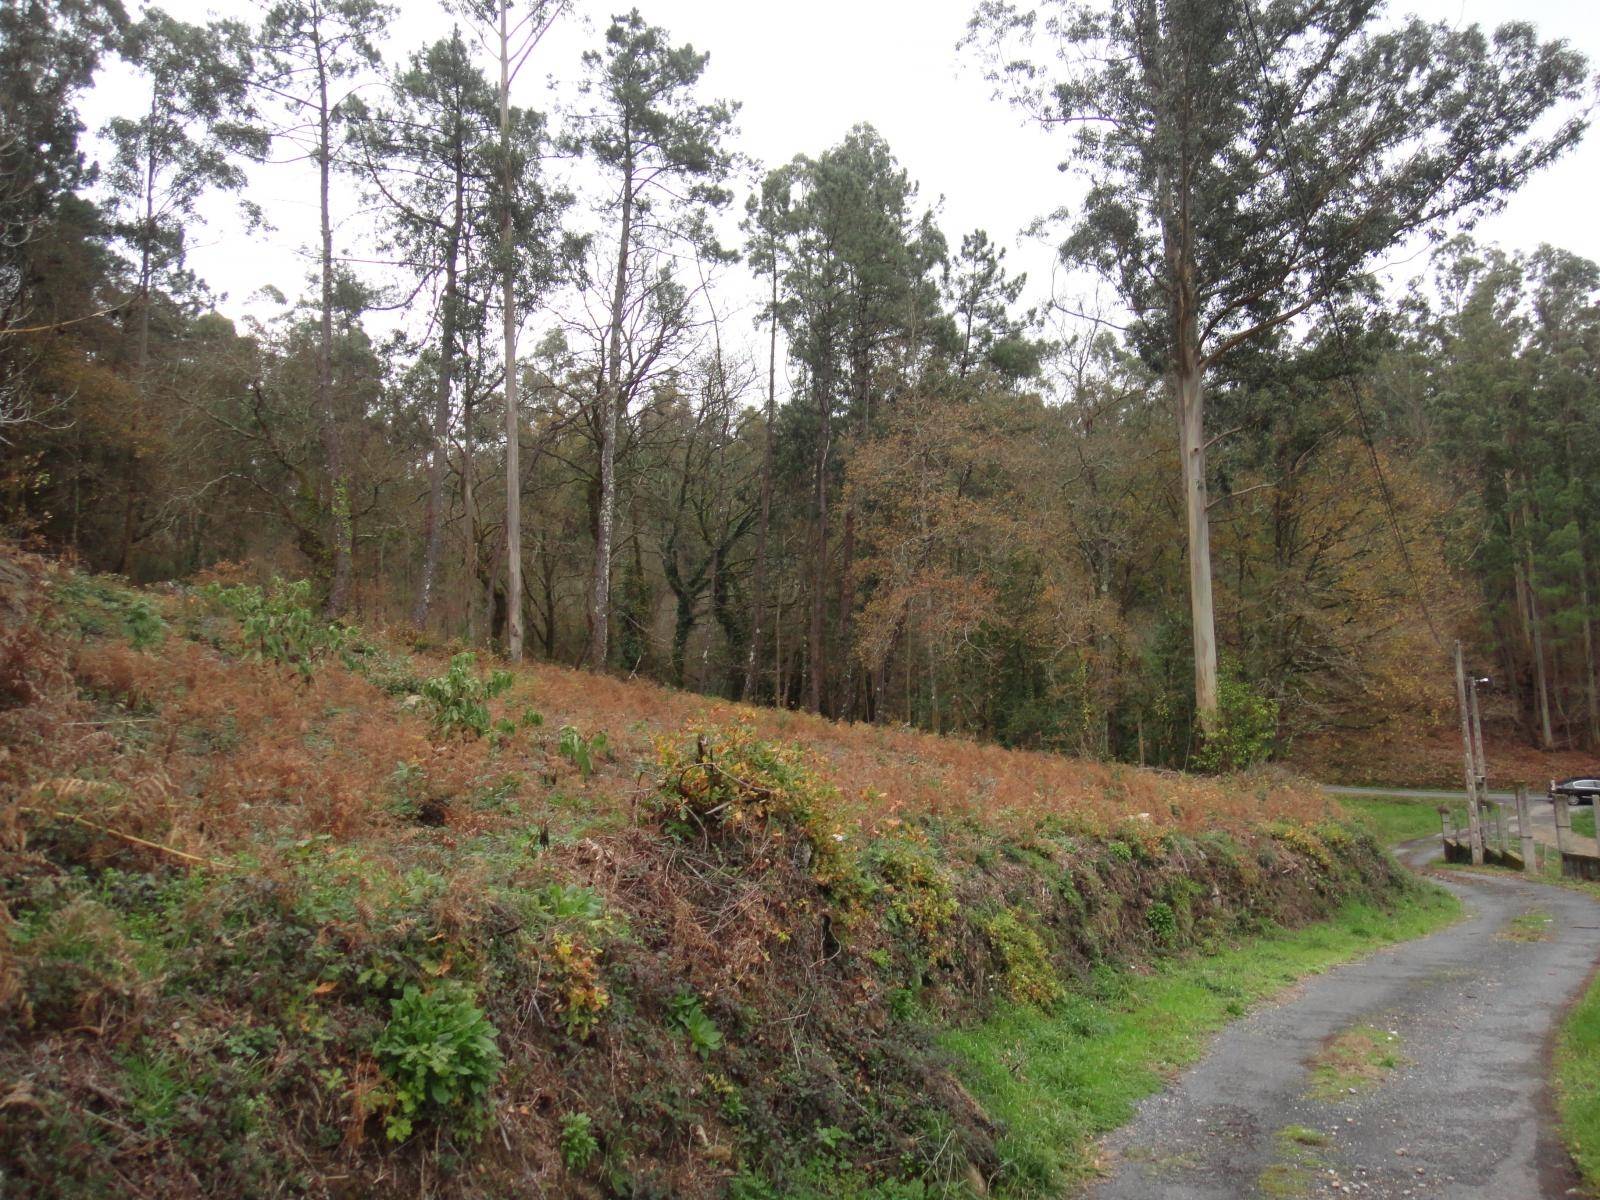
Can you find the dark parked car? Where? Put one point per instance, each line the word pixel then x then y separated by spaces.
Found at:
pixel 1581 789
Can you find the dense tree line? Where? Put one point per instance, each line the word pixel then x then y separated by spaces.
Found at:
pixel 957 513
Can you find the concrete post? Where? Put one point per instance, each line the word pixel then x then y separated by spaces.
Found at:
pixel 1525 828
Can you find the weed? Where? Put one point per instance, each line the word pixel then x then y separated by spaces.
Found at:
pixel 441 1057
pixel 581 999
pixel 460 697
pixel 687 1014
pixel 1527 927
pixel 1353 1060
pixel 581 751
pixel 98 607
pixel 1163 922
pixel 578 1143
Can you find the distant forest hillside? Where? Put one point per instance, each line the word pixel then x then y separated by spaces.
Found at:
pixel 1251 504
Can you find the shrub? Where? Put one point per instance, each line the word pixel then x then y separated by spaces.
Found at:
pixel 1247 723
pixel 1163 922
pixel 440 1056
pixel 277 623
pixel 460 697
pixel 737 781
pixel 1027 976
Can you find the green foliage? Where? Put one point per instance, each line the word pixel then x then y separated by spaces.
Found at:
pixel 1247 723
pixel 578 1143
pixel 278 624
pixel 1163 922
pixel 440 1055
pixel 98 607
pixel 1027 975
pixel 459 698
pixel 581 751
pixel 1577 1083
pixel 688 1015
pixel 736 781
pixel 919 892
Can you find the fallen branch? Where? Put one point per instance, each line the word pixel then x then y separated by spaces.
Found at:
pixel 126 837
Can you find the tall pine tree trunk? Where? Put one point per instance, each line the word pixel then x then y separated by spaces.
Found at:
pixel 1547 739
pixel 433 522
pixel 758 591
pixel 1589 689
pixel 610 402
pixel 332 441
pixel 817 649
pixel 147 236
pixel 513 602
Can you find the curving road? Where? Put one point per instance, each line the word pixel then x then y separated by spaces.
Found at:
pixel 1462 1111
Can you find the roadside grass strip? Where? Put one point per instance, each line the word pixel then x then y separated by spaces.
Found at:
pixel 1577 1084
pixel 1394 819
pixel 1057 1080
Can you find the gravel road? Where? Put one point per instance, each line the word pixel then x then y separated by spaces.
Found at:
pixel 1461 1108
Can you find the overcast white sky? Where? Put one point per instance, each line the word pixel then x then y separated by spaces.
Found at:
pixel 806 72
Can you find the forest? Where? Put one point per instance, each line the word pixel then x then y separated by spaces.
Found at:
pixel 1247 499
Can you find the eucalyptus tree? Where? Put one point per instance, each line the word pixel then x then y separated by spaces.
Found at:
pixel 311 50
pixel 1250 161
pixel 663 155
pixel 193 137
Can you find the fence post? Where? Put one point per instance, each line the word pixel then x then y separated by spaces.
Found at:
pixel 1525 829
pixel 1563 821
pixel 1500 823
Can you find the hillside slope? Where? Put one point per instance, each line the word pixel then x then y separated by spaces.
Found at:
pixel 291 909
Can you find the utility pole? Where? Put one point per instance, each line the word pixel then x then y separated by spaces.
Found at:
pixel 1469 758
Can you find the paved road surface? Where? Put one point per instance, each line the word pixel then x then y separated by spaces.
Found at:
pixel 1466 1113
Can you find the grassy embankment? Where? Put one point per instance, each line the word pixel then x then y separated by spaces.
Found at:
pixel 286 906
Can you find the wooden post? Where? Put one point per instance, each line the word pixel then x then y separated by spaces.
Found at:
pixel 1563 821
pixel 1479 763
pixel 1500 824
pixel 1525 829
pixel 1469 762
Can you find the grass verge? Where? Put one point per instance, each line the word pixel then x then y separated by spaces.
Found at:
pixel 1577 1079
pixel 1394 818
pixel 1056 1081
